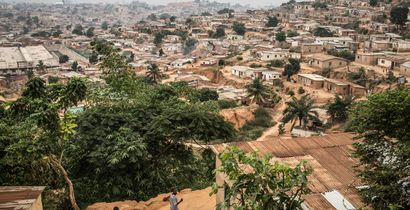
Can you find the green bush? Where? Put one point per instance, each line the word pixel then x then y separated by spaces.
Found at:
pixel 291 93
pixel 255 65
pixel 255 128
pixel 301 90
pixel 226 104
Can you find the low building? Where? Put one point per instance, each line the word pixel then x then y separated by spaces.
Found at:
pixel 335 86
pixel 344 88
pixel 234 37
pixel 271 75
pixel 17 60
pixel 391 61
pixel 309 48
pixel 247 72
pixel 405 69
pixel 333 183
pixel 401 45
pixel 311 80
pixel 21 198
pixel 368 58
pixel 209 62
pixel 274 54
pixel 322 61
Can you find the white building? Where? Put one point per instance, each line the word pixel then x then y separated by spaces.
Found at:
pixel 271 75
pixel 274 54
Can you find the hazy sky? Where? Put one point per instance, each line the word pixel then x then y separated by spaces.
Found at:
pixel 254 3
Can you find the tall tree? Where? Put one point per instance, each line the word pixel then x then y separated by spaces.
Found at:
pixel 338 109
pixel 373 3
pixel 40 66
pixel 257 91
pixel 382 123
pixel 280 36
pixel 267 186
pixel 154 74
pixel 272 22
pixel 239 28
pixel 46 135
pixel 399 15
pixel 300 110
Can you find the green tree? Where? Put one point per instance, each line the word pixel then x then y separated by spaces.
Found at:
pixel 338 109
pixel 40 66
pixel 277 63
pixel 46 134
pixel 63 59
pixel 226 11
pixel 399 15
pixel 268 185
pixel 90 32
pixel 300 110
pixel 382 124
pixel 358 77
pixel 239 28
pixel 78 29
pixel 280 36
pixel 301 90
pixel 189 45
pixel 257 92
pixel 158 39
pixel 93 59
pixel 104 25
pixel 219 33
pixel 202 95
pixel 292 33
pixel 373 3
pixel 74 66
pixel 272 22
pixel 154 74
pixel 293 67
pixel 323 32
pixel 152 17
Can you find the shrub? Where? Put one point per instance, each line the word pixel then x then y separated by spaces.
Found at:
pixel 226 104
pixel 301 90
pixel 291 93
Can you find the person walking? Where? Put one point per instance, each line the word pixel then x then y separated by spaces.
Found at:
pixel 173 200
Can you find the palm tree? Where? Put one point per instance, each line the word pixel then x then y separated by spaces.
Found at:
pixel 154 74
pixel 40 66
pixel 257 91
pixel 300 109
pixel 338 109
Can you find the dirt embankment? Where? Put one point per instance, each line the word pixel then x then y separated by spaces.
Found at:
pixel 238 116
pixel 198 199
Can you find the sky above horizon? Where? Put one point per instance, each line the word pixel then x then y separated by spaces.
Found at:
pixel 254 3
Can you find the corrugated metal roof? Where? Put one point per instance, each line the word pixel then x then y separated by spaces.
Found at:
pixel 329 156
pixel 18 197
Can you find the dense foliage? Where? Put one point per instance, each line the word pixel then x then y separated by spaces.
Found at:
pixel 127 143
pixel 383 125
pixel 267 186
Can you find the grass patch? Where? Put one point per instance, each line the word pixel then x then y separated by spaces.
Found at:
pixel 255 128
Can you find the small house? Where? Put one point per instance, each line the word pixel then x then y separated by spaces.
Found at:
pixel 326 61
pixel 271 75
pixel 311 80
pixel 275 54
pixel 391 61
pixel 405 69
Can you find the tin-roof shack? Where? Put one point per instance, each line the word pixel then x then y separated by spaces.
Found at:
pixel 21 198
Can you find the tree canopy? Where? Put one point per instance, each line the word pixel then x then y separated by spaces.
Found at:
pixel 382 123
pixel 267 186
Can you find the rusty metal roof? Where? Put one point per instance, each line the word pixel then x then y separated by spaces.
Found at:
pixel 329 156
pixel 18 197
